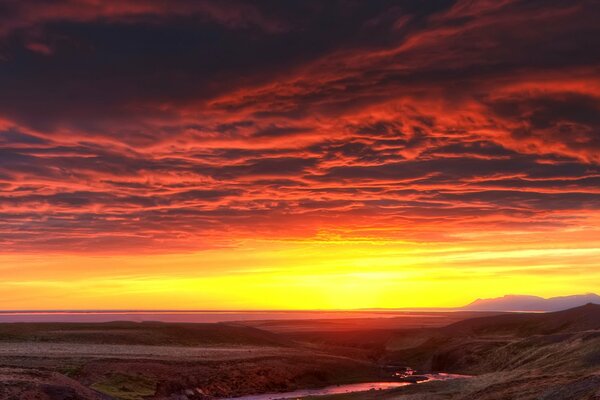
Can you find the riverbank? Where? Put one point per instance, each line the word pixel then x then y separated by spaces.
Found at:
pixel 525 356
pixel 352 388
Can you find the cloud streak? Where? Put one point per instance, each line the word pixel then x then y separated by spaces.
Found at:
pixel 141 128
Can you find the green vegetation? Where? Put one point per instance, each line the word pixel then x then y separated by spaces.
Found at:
pixel 349 396
pixel 71 370
pixel 125 387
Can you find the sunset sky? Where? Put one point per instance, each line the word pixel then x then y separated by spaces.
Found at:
pixel 297 154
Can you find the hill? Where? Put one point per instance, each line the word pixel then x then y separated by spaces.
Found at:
pixel 532 303
pixel 140 333
pixel 136 361
pixel 586 317
pixel 560 341
pixel 30 384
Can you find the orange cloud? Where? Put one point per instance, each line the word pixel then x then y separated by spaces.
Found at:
pixel 140 130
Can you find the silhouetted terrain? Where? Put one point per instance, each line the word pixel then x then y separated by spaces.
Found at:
pixel 574 320
pixel 532 303
pixel 526 356
pixel 144 333
pixel 408 320
pixel 133 361
pixel 550 356
pixel 508 341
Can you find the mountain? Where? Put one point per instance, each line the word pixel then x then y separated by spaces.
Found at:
pixel 532 303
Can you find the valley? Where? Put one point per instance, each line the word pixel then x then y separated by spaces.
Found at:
pixel 503 356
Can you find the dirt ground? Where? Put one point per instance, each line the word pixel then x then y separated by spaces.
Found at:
pixel 554 356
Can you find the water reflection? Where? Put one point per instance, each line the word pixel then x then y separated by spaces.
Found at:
pixel 341 389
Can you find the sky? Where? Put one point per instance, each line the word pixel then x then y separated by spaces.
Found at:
pixel 297 154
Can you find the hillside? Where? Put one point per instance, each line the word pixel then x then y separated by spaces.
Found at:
pixel 586 317
pixel 561 341
pixel 144 333
pixel 30 384
pixel 136 361
pixel 532 303
pixel 552 356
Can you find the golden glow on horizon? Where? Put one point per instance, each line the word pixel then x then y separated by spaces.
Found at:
pixel 408 157
pixel 333 274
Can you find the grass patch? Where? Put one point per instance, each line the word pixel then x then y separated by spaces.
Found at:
pixel 369 395
pixel 71 370
pixel 125 387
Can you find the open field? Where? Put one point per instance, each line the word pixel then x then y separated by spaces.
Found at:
pixel 122 351
pixel 109 358
pixel 380 321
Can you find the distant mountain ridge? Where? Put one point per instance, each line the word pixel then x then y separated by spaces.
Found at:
pixel 532 303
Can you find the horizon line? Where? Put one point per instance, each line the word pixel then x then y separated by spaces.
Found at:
pixel 294 310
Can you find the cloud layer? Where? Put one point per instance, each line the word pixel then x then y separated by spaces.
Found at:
pixel 144 128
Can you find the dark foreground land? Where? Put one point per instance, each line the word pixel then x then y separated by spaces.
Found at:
pixel 510 356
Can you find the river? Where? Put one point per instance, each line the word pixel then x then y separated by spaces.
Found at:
pixel 341 389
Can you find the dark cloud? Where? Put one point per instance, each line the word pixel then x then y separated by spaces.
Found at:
pixel 184 125
pixel 14 137
pixel 276 131
pixel 110 66
pixel 569 119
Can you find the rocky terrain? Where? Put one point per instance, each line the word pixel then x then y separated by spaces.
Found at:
pixel 550 356
pixel 553 356
pixel 134 361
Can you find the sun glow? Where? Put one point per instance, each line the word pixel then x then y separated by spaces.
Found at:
pixel 261 274
pixel 241 156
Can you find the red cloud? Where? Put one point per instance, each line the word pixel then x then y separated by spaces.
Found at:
pixel 477 118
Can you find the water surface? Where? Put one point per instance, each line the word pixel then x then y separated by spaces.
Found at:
pixel 341 389
pixel 193 316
